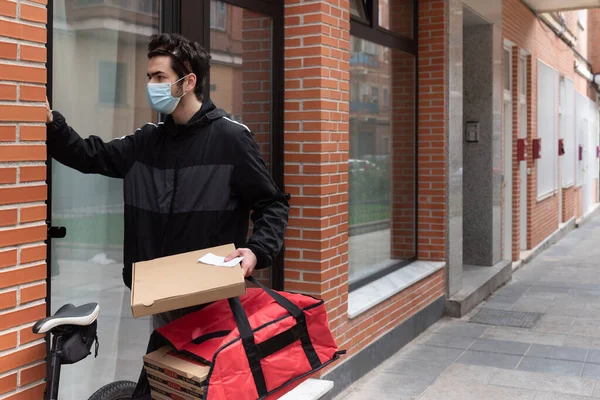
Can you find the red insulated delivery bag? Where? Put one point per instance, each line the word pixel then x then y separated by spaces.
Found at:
pixel 256 344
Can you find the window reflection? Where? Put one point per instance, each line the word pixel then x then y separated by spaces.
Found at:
pixel 397 16
pixel 382 158
pixel 99 68
pixel 240 73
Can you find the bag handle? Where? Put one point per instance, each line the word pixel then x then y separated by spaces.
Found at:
pixel 290 307
pixel 299 332
pixel 252 353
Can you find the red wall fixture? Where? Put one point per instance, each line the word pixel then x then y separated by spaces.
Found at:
pixel 537 148
pixel 561 147
pixel 580 152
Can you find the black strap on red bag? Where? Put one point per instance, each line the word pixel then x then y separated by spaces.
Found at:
pixel 256 352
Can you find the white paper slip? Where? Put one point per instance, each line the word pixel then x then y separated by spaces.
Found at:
pixel 219 261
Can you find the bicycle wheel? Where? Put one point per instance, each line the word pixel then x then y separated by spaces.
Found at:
pixel 121 390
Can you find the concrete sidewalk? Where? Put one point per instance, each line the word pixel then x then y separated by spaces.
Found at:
pixel 554 355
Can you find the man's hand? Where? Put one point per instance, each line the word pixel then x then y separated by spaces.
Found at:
pixel 249 261
pixel 49 117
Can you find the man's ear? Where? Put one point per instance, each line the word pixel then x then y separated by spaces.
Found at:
pixel 191 82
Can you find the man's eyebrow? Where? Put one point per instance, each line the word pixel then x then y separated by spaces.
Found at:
pixel 150 75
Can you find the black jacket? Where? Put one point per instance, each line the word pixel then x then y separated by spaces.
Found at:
pixel 186 187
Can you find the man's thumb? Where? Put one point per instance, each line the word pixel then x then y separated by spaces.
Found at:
pixel 232 256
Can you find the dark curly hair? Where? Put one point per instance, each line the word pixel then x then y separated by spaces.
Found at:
pixel 186 57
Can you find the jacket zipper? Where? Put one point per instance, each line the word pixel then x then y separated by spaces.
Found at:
pixel 171 206
pixel 175 175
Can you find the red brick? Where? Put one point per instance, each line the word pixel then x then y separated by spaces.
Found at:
pixel 20 317
pixel 8 92
pixel 33 374
pixel 8 217
pixel 8 383
pixel 8 50
pixel 36 392
pixel 34 13
pixel 22 73
pixel 8 258
pixel 10 113
pixel 33 53
pixel 8 133
pixel 31 173
pixel 23 194
pixel 27 336
pixel 32 93
pixel 20 31
pixel 8 8
pixel 12 237
pixel 33 214
pixel 32 293
pixel 8 300
pixel 8 341
pixel 34 253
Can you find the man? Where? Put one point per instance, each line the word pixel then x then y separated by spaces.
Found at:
pixel 189 183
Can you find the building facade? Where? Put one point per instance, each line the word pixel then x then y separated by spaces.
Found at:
pixel 429 147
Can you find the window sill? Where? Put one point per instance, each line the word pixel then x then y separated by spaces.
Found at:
pixel 368 296
pixel 546 196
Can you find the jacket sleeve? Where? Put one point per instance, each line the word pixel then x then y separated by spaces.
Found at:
pixel 260 193
pixel 91 155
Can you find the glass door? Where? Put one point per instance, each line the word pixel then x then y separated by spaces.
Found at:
pixel 241 75
pixel 98 83
pixel 98 61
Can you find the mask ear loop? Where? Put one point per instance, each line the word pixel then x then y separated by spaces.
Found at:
pixel 185 92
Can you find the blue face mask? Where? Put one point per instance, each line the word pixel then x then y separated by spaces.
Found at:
pixel 160 98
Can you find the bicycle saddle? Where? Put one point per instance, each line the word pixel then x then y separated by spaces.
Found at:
pixel 69 315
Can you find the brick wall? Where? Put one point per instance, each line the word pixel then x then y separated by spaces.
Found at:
pixel 22 195
pixel 569 208
pixel 316 168
pixel 316 144
pixel 403 244
pixel 521 27
pixel 593 31
pixel 578 202
pixel 401 17
pixel 433 121
pixel 516 165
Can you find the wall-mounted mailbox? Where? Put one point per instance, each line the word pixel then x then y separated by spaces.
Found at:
pixel 521 149
pixel 561 147
pixel 580 153
pixel 472 131
pixel 537 148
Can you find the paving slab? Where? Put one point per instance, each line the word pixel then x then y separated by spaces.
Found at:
pixel 558 352
pixel 452 342
pixel 550 366
pixel 489 359
pixel 500 346
pixel 470 391
pixel 543 382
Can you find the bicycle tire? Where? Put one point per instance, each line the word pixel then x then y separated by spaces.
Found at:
pixel 120 390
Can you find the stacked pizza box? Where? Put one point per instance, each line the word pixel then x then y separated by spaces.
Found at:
pixel 173 376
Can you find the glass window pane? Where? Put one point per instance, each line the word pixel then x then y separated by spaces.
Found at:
pixel 99 84
pixel 240 74
pixel 397 16
pixel 218 15
pixel 382 159
pixel 357 8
